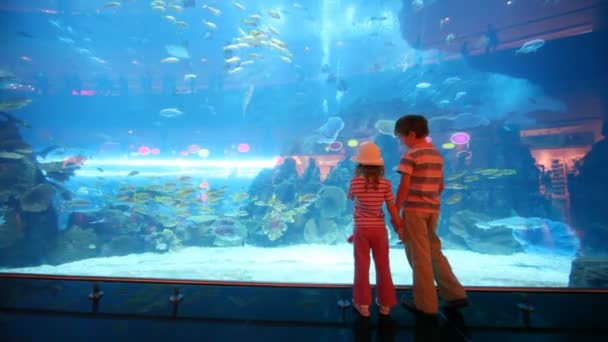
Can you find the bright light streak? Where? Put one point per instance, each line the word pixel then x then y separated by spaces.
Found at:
pixel 148 167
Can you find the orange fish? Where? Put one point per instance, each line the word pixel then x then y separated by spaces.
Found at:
pixel 73 160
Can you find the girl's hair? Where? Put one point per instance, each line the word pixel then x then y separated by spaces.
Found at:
pixel 372 174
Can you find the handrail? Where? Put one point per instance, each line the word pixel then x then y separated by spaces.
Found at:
pixel 165 281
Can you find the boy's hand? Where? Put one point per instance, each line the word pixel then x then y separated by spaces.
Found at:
pixel 398 227
pixel 396 222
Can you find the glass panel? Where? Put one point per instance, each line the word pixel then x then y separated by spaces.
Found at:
pixel 280 306
pixel 213 140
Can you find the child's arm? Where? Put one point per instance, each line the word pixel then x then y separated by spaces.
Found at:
pixel 394 213
pixel 392 209
pixel 404 187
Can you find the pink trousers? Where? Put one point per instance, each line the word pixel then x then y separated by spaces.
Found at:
pixel 376 240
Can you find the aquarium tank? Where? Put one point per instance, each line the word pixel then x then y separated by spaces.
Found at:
pixel 211 140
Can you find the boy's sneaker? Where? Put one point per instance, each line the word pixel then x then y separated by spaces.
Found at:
pixel 362 309
pixel 408 303
pixel 457 304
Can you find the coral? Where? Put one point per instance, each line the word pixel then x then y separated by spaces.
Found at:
pixel 310 182
pixel 589 272
pixel 228 232
pixel 341 175
pixel 261 187
pixel 123 245
pixel 286 192
pixel 59 172
pixel 9 231
pixel 331 202
pixel 167 240
pixel 326 231
pixel 286 172
pixel 72 244
pixel 38 199
pixel 464 232
pixel 273 225
pixel 587 191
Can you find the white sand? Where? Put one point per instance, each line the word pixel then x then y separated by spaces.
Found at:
pixel 312 264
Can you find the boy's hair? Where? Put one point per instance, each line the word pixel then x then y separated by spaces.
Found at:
pixel 412 123
pixel 372 174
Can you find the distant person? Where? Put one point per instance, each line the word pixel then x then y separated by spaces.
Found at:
pixel 418 197
pixel 492 36
pixel 464 50
pixel 369 190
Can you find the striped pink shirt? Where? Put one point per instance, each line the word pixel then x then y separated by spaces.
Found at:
pixel 368 202
pixel 424 164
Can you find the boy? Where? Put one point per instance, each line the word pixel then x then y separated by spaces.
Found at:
pixel 419 192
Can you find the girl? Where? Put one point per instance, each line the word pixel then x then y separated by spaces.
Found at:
pixel 368 190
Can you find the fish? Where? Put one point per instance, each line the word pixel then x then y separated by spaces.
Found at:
pixel 249 22
pixel 132 173
pixel 423 85
pixel 274 14
pixel 455 186
pixel 239 6
pixel 455 198
pixel 14 103
pixel 170 112
pixel 459 95
pixel 451 80
pixel 10 155
pixel 232 60
pixel 216 12
pixel 235 70
pixel 189 77
pixel 210 25
pixel 112 4
pixel 177 8
pixel 530 46
pixel 181 23
pixel 247 99
pixel 170 60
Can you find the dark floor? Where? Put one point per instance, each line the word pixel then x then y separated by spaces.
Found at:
pixel 29 326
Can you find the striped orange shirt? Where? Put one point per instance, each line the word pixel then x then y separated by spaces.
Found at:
pixel 424 164
pixel 368 202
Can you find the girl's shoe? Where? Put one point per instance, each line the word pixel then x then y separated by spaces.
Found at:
pixel 384 310
pixel 362 309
